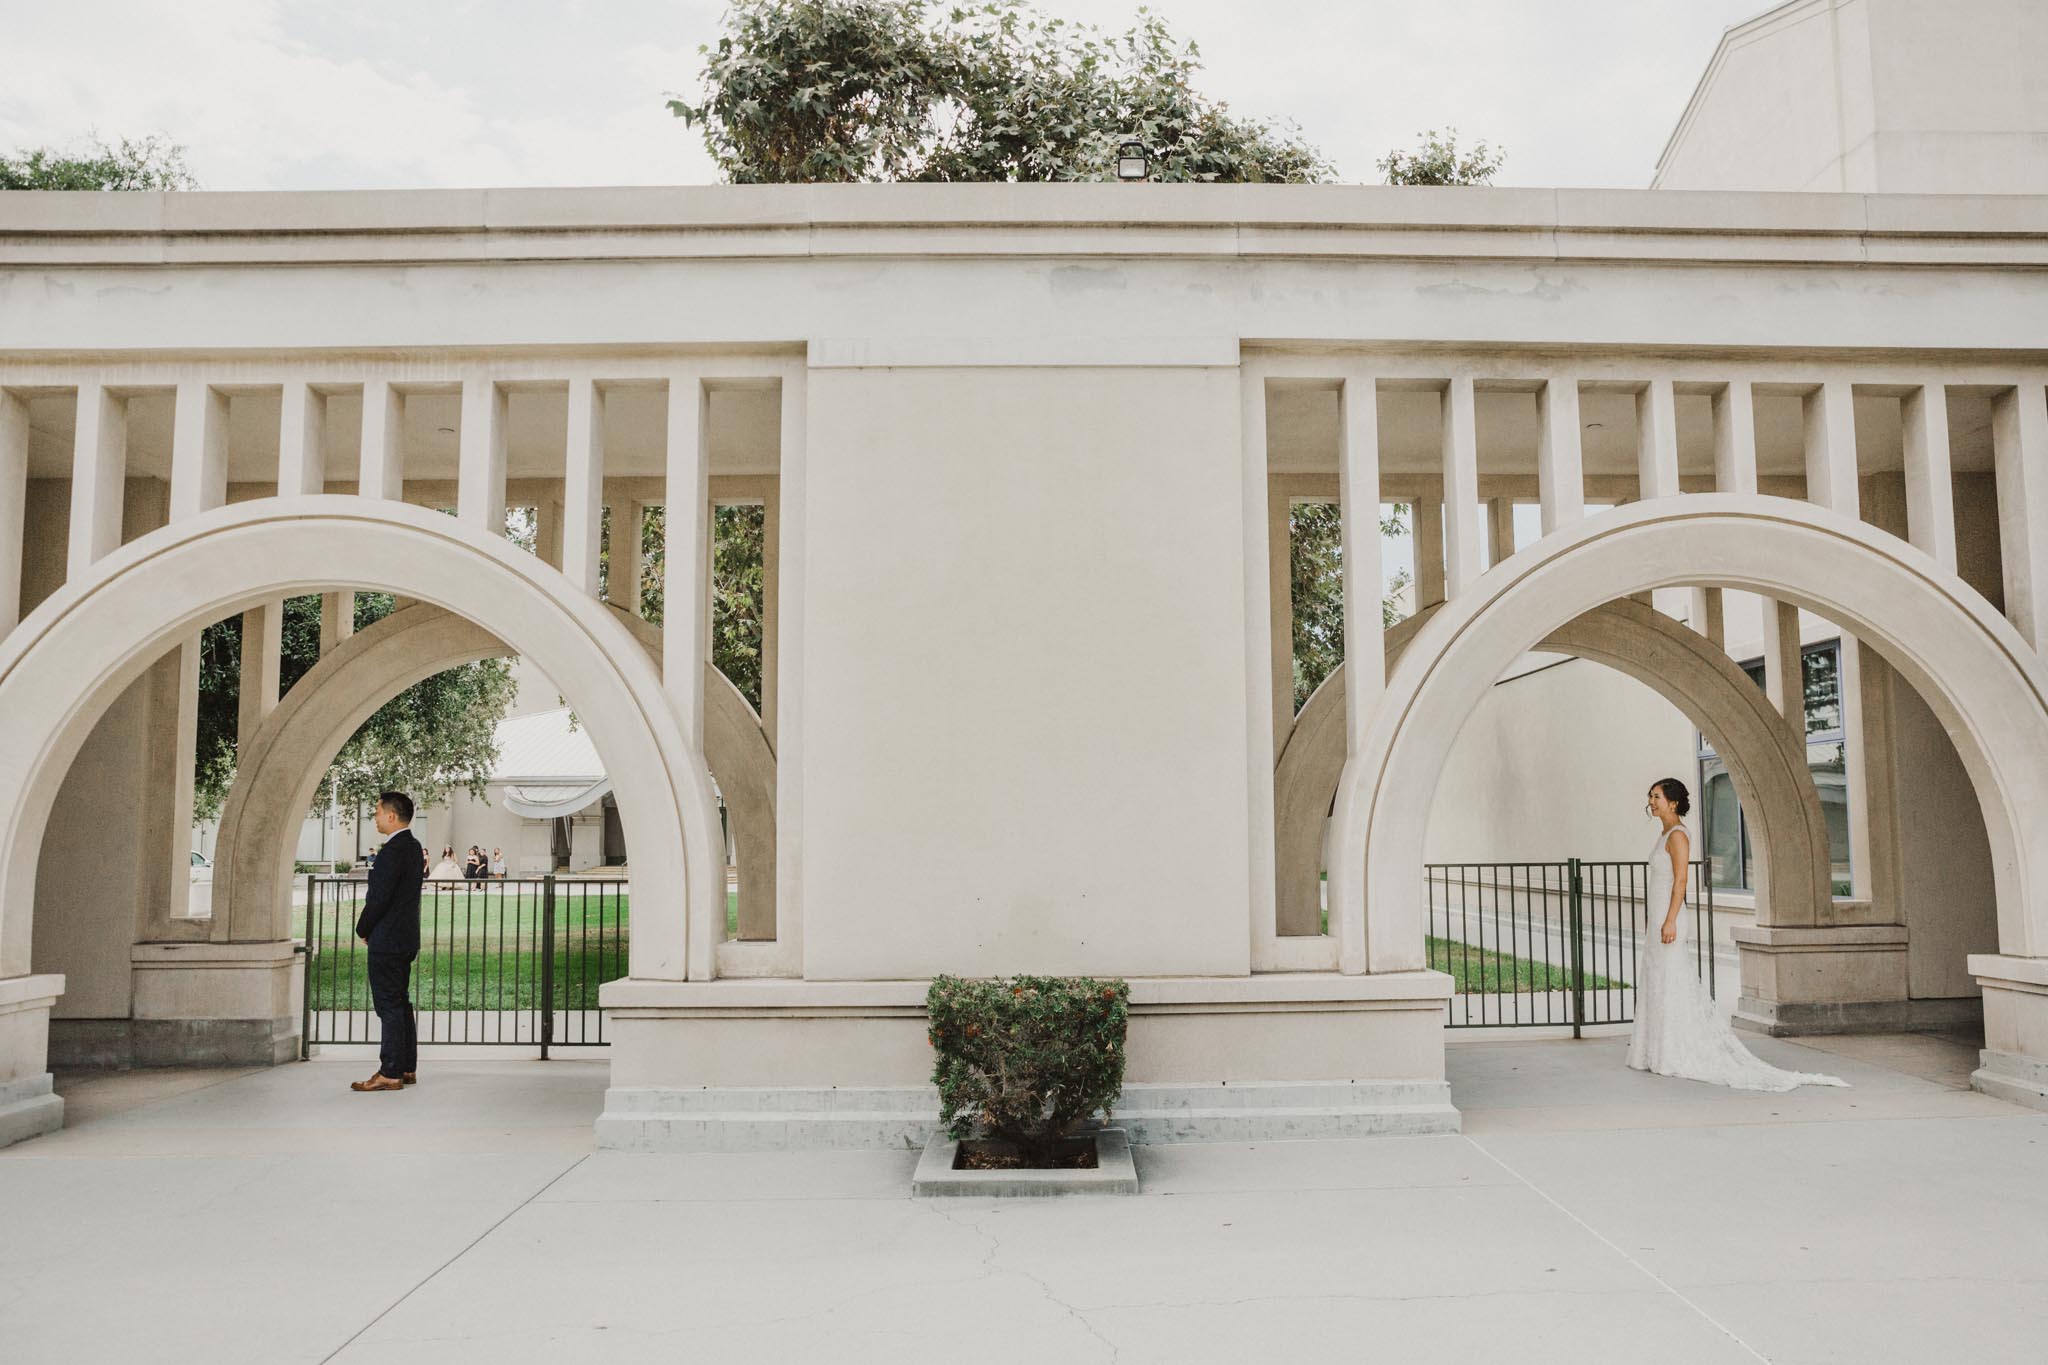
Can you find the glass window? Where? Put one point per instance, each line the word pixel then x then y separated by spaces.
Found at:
pixel 1725 826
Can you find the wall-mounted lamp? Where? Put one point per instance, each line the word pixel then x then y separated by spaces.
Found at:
pixel 1133 161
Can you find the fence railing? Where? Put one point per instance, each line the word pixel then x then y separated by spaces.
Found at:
pixel 1533 944
pixel 502 961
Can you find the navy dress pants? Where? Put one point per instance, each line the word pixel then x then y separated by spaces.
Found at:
pixel 390 985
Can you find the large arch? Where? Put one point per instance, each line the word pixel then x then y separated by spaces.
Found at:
pixel 279 768
pixel 1988 687
pixel 62 667
pixel 1765 758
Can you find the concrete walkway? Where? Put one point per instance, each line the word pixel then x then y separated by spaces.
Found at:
pixel 1588 1214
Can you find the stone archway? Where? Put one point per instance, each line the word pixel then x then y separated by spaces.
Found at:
pixel 280 767
pixel 1766 759
pixel 62 667
pixel 1989 689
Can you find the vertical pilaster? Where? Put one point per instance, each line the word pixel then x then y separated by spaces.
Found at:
pixel 99 467
pixel 13 505
pixel 547 532
pixel 337 619
pixel 262 662
pixel 480 487
pixel 1358 495
pixel 382 471
pixel 789 548
pixel 1784 676
pixel 1657 440
pixel 1429 552
pixel 301 437
pixel 1280 606
pixel 1461 487
pixel 1560 469
pixel 2019 443
pixel 771 604
pixel 199 450
pixel 1707 615
pixel 1829 416
pixel 686 582
pixel 629 520
pixel 583 486
pixel 1500 529
pixel 1734 438
pixel 1930 487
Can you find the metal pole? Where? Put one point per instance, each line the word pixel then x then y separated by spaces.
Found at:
pixel 306 981
pixel 547 964
pixel 1578 931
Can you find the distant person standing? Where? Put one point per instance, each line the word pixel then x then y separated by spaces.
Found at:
pixel 498 863
pixel 390 927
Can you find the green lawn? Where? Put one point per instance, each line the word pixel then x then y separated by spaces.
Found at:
pixel 1486 973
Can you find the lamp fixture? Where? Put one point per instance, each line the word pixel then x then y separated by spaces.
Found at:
pixel 1133 161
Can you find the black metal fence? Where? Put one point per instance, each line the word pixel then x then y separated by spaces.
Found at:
pixel 511 961
pixel 1533 944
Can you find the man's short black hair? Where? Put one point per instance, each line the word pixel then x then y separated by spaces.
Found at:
pixel 398 803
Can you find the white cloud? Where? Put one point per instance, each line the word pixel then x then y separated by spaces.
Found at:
pixel 288 94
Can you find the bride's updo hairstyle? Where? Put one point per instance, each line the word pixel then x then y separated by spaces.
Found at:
pixel 1674 792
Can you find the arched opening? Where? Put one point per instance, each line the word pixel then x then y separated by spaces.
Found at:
pixel 64 665
pixel 1969 665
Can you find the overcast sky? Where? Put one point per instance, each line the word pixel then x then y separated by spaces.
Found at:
pixel 319 94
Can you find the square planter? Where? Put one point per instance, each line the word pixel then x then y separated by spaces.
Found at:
pixel 1114 1172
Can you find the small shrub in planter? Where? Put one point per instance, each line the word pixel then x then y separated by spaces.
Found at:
pixel 1027 1059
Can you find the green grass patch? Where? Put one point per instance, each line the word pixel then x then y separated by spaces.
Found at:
pixel 1491 973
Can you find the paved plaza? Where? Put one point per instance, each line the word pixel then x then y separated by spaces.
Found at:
pixel 1586 1214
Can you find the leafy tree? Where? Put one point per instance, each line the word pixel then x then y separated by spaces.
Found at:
pixel 802 91
pixel 738 589
pixel 150 163
pixel 436 736
pixel 1316 582
pixel 1439 162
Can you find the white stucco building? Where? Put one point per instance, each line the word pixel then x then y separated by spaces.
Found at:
pixel 1023 449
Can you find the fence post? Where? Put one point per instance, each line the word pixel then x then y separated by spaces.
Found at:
pixel 306 979
pixel 547 963
pixel 1576 902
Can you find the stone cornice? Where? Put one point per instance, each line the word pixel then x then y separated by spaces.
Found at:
pixel 1333 222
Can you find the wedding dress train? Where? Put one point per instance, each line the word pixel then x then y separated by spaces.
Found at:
pixel 1677 1031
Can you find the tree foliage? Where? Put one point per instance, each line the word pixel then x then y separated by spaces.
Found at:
pixel 800 91
pixel 433 738
pixel 148 163
pixel 1439 161
pixel 738 588
pixel 1316 582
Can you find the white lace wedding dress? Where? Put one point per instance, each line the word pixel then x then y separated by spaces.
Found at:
pixel 1677 1031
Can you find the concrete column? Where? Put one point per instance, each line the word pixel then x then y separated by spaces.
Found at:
pixel 337 619
pixel 480 486
pixel 301 437
pixel 1500 529
pixel 199 450
pixel 1734 438
pixel 583 487
pixel 1560 470
pixel 262 662
pixel 686 562
pixel 1358 494
pixel 1829 413
pixel 1784 677
pixel 2019 443
pixel 771 572
pixel 1657 440
pixel 628 519
pixel 547 532
pixel 1429 552
pixel 1706 615
pixel 99 467
pixel 1930 488
pixel 1280 605
pixel 1461 487
pixel 13 505
pixel 382 471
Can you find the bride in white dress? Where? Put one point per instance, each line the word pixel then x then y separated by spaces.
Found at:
pixel 1677 1031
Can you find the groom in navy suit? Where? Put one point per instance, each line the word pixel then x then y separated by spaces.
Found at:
pixel 390 927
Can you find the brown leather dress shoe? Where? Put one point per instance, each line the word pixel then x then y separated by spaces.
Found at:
pixel 412 1078
pixel 380 1081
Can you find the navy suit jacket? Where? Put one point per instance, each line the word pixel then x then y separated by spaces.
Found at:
pixel 391 909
